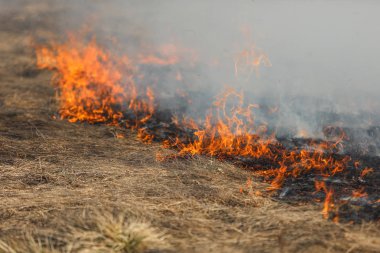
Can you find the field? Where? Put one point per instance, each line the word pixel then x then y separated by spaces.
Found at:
pixel 77 187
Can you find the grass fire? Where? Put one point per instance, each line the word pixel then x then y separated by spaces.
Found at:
pixel 178 134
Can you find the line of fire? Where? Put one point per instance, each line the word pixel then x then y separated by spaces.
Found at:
pixel 189 126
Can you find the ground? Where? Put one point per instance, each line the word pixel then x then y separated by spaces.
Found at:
pixel 58 178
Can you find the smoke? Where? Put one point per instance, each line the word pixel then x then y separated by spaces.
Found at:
pixel 323 54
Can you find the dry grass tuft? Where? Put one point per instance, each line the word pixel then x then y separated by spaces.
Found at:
pixel 364 239
pixel 27 244
pixel 117 234
pixel 103 234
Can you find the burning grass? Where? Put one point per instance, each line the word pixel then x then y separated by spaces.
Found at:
pixel 53 172
pixel 96 86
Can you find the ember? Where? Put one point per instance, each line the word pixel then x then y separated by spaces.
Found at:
pixel 96 86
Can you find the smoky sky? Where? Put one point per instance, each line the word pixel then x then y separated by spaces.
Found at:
pixel 324 54
pixel 326 49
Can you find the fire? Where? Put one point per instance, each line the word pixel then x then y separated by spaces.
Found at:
pixel 328 204
pixel 94 85
pixel 97 86
pixel 249 60
pixel 360 193
pixel 233 133
pixel 365 171
pixel 89 81
pixel 329 201
pixel 227 133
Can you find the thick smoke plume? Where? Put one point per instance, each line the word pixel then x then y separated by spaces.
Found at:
pixel 319 67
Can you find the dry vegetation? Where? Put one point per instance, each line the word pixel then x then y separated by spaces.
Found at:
pixel 103 233
pixel 77 188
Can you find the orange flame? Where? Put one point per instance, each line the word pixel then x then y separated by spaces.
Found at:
pixel 365 172
pixel 359 193
pixel 94 86
pixel 249 60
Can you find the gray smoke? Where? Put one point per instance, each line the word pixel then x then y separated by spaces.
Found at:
pixel 324 54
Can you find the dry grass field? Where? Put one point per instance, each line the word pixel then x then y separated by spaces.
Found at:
pixel 77 188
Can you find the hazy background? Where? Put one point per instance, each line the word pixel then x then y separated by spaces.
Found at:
pixel 324 54
pixel 325 48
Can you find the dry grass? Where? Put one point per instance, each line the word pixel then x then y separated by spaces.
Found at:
pixel 104 233
pixel 77 188
pixel 116 234
pixel 28 244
